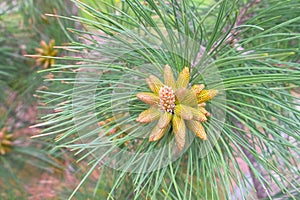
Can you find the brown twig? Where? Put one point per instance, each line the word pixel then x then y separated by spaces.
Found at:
pixel 261 190
pixel 241 19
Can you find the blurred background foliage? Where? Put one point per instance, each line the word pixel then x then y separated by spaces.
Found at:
pixel 27 162
pixel 255 45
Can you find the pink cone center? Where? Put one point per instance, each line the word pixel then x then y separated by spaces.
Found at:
pixel 167 99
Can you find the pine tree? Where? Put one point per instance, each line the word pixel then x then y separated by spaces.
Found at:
pixel 166 99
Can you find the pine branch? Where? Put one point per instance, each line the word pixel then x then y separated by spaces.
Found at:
pixel 255 88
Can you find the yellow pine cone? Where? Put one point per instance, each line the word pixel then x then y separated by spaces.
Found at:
pixel 174 104
pixel 46 50
pixel 5 141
